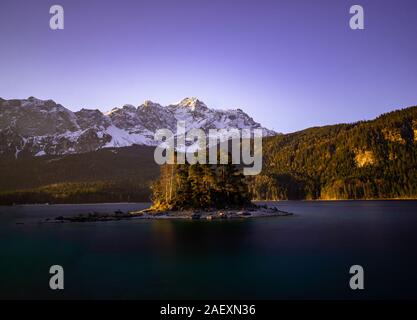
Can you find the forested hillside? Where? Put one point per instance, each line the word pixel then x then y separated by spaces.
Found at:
pixel 363 160
pixel 106 175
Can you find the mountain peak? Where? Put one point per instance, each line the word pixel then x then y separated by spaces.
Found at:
pixel 149 104
pixel 44 127
pixel 192 103
pixel 34 100
pixel 129 107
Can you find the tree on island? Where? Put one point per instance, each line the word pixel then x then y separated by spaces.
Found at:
pixel 200 186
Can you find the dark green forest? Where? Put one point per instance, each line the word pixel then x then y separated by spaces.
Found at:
pixel 200 186
pixel 365 160
pixel 374 159
pixel 80 192
pixel 106 175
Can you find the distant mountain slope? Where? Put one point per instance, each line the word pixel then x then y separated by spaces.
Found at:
pixel 369 159
pixel 36 127
pixel 363 160
pixel 105 175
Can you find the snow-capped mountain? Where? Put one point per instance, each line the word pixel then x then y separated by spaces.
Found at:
pixel 43 127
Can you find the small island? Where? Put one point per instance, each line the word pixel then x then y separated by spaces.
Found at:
pixel 196 191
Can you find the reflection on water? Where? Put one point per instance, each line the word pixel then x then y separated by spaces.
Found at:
pixel 305 256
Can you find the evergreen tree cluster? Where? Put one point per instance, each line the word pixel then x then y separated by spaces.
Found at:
pixel 365 160
pixel 200 186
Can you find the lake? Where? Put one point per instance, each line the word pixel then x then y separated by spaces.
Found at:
pixel 305 256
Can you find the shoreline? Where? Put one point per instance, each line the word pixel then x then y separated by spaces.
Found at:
pixel 149 214
pixel 254 201
pixel 387 199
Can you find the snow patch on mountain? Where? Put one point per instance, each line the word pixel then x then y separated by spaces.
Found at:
pixel 43 127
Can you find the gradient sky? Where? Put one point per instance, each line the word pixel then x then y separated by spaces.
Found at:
pixel 289 64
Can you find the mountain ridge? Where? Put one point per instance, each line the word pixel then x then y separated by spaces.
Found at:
pixel 372 159
pixel 35 127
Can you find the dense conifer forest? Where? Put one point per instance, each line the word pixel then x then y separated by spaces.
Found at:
pixel 184 186
pixel 365 160
pixel 374 159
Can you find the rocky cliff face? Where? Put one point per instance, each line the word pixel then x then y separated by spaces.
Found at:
pixel 43 127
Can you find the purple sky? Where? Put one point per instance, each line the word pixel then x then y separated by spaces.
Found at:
pixel 289 64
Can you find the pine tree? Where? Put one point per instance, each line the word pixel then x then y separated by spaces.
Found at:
pixel 200 186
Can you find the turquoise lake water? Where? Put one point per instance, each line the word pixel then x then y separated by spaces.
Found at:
pixel 305 256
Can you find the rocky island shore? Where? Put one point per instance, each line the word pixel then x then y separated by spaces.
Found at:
pixel 150 214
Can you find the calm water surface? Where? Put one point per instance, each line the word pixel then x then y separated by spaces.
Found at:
pixel 306 256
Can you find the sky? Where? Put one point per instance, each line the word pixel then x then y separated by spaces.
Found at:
pixel 289 64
